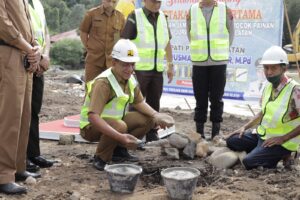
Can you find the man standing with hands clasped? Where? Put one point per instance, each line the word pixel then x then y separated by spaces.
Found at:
pixel 99 30
pixel 19 58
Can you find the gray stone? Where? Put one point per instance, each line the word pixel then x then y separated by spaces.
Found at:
pixel 241 155
pixel 178 141
pixel 30 180
pixel 75 196
pixel 172 153
pixel 189 150
pixel 66 139
pixel 224 160
pixel 74 79
pixel 220 150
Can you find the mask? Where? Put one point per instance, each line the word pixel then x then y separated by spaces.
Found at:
pixel 275 80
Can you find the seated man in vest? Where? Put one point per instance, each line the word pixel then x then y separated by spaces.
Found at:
pixel 104 115
pixel 278 121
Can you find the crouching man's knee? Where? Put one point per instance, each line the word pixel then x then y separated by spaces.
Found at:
pixel 233 142
pixel 118 125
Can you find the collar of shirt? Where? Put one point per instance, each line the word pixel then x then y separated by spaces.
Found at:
pixel 281 85
pixel 205 4
pixel 149 13
pixel 102 11
pixel 119 79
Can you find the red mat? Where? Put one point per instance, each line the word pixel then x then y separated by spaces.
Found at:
pixel 58 126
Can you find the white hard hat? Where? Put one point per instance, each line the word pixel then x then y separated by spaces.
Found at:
pixel 126 51
pixel 274 55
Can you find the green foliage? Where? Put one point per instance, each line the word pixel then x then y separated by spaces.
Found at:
pixel 66 15
pixel 68 53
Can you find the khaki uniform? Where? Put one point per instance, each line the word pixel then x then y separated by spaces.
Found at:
pixel 133 123
pixel 103 32
pixel 15 88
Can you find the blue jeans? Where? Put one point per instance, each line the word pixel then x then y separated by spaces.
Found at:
pixel 257 155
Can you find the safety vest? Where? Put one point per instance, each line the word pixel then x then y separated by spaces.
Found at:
pixel 145 41
pixel 38 21
pixel 273 111
pixel 212 41
pixel 115 108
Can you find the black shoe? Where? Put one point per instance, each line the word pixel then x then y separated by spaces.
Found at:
pixel 215 129
pixel 22 176
pixel 152 135
pixel 200 129
pixel 41 162
pixel 121 154
pixel 12 188
pixel 30 167
pixel 99 164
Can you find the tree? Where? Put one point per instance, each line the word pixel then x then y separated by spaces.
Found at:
pixel 67 52
pixel 76 16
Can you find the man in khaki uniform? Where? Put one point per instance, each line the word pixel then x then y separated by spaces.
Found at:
pixel 99 31
pixel 16 42
pixel 104 115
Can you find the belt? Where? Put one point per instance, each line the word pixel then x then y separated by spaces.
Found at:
pixel 2 43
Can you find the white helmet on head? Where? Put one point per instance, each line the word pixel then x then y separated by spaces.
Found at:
pixel 126 51
pixel 274 55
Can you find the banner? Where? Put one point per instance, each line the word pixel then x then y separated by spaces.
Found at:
pixel 258 25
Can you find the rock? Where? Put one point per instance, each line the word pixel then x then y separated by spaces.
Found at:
pixel 74 79
pixel 189 150
pixel 194 136
pixel 66 139
pixel 220 151
pixel 159 143
pixel 202 149
pixel 224 160
pixel 30 181
pixel 178 141
pixel 172 153
pixel 151 153
pixel 219 141
pixel 241 155
pixel 75 196
pixel 177 108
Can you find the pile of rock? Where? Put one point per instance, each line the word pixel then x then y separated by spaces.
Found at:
pixel 191 145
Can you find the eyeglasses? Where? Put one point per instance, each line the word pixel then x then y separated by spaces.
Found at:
pixel 127 64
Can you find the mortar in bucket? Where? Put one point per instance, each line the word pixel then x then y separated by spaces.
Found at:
pixel 123 177
pixel 180 182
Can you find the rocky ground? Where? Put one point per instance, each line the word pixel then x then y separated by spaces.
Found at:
pixel 73 177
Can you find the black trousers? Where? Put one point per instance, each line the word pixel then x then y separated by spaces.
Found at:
pixel 33 148
pixel 208 84
pixel 151 85
pixel 257 155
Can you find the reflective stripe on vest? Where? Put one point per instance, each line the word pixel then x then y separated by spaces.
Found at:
pixel 272 124
pixel 145 41
pixel 114 109
pixel 38 22
pixel 218 38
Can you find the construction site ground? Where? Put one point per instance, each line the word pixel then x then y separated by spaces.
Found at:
pixel 74 177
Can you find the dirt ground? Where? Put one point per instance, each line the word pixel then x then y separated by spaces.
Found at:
pixel 74 177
